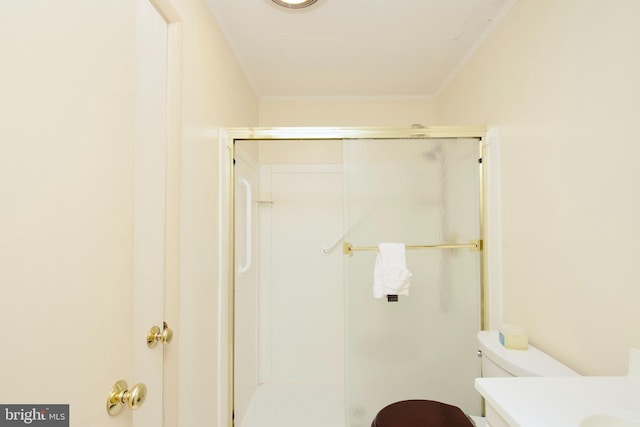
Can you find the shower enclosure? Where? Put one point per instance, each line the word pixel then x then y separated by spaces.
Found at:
pixel 312 346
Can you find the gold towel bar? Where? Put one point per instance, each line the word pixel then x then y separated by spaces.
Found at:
pixel 474 246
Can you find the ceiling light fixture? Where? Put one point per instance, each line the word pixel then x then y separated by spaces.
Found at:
pixel 294 4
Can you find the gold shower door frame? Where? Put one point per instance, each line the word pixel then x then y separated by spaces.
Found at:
pixel 229 136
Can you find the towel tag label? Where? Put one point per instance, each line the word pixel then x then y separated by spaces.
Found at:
pixel 392 298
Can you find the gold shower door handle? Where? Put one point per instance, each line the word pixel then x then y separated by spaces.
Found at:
pixel 156 335
pixel 121 395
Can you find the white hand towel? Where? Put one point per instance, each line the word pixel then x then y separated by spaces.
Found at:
pixel 390 274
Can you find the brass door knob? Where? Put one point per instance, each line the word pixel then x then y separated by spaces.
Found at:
pixel 120 395
pixel 156 335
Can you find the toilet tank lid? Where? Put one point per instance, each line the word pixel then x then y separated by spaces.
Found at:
pixel 521 363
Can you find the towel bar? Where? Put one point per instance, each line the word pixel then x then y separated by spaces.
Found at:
pixel 473 245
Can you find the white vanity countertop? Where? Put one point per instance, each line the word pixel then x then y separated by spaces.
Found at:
pixel 561 401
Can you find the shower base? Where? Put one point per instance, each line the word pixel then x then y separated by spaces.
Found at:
pixel 295 405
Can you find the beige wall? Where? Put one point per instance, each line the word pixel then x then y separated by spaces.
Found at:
pixel 393 112
pixel 560 79
pixel 216 94
pixel 67 85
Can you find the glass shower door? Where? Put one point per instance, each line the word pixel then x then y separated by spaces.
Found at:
pixel 417 192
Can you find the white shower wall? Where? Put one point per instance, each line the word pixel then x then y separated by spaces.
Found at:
pixel 246 286
pixel 301 312
pixel 290 305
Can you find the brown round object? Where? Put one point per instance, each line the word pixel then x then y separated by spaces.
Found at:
pixel 421 413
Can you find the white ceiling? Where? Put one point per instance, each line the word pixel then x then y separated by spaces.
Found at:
pixel 355 48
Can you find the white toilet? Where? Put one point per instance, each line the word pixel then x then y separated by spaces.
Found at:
pixel 498 361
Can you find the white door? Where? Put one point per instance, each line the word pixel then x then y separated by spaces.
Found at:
pixel 84 211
